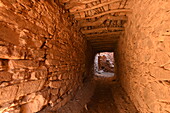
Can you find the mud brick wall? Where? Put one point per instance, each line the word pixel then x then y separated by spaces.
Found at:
pixel 42 56
pixel 144 56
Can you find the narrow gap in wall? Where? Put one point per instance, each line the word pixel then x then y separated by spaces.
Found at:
pixel 104 65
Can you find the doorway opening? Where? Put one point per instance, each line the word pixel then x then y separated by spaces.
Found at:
pixel 104 64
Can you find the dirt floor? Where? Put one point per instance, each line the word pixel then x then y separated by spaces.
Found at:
pixel 102 101
pixel 108 97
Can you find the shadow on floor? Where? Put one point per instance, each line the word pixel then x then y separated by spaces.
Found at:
pixel 109 97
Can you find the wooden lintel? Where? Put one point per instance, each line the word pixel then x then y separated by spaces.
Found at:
pixel 104 48
pixel 117 33
pixel 102 39
pixel 107 43
pixel 107 12
pixel 94 7
pixel 102 19
pixel 99 30
pixel 102 42
pixel 101 50
pixel 103 45
pixel 74 3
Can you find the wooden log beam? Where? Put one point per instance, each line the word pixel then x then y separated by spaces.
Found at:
pixel 103 38
pixel 99 30
pixel 107 12
pixel 103 50
pixel 117 33
pixel 102 42
pixel 94 7
pixel 98 51
pixel 74 3
pixel 101 20
pixel 103 47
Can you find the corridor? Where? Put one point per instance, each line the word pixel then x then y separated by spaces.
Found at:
pixel 48 47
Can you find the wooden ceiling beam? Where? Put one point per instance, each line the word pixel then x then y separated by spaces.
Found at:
pixel 99 30
pixel 91 41
pixel 100 50
pixel 103 40
pixel 73 3
pixel 106 42
pixel 107 12
pixel 103 45
pixel 117 33
pixel 104 49
pixel 101 20
pixel 96 6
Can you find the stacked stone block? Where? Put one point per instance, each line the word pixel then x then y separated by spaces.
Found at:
pixel 143 56
pixel 42 56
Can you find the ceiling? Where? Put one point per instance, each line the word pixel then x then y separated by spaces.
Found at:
pixel 101 21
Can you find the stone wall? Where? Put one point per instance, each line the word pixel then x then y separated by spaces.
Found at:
pixel 42 56
pixel 144 56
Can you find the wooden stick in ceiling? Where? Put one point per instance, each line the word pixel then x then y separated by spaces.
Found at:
pixel 94 7
pixel 105 38
pixel 98 30
pixel 104 13
pixel 105 34
pixel 101 20
pixel 103 42
pixel 74 3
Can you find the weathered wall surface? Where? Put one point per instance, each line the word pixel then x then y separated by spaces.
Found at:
pixel 42 56
pixel 144 56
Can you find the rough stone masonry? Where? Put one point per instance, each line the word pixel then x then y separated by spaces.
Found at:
pixel 43 58
pixel 143 56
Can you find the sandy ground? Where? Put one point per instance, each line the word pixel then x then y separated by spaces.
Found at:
pixel 102 101
pixel 109 97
